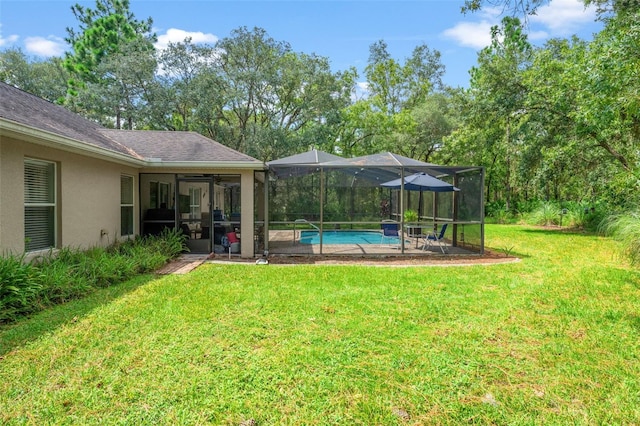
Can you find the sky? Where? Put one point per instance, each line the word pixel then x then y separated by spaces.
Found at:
pixel 340 30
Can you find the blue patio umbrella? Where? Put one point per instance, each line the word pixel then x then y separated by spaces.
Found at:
pixel 421 182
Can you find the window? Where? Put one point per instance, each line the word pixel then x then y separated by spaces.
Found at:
pixel 126 205
pixel 163 194
pixel 39 204
pixel 153 195
pixel 159 194
pixel 194 203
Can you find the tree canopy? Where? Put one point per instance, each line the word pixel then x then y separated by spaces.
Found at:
pixel 555 122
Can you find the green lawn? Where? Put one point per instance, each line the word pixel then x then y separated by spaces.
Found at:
pixel 554 339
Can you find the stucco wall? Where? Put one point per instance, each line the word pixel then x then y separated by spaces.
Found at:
pixel 88 196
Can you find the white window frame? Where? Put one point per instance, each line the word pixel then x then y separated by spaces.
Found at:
pixel 162 194
pixel 125 204
pixel 164 189
pixel 154 203
pixel 194 202
pixel 53 203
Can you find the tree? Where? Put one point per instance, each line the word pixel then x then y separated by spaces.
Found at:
pixel 186 75
pixel 498 90
pixel 513 7
pixel 609 110
pixel 44 78
pixel 387 119
pixel 393 86
pixel 272 95
pixel 529 7
pixel 123 96
pixel 103 31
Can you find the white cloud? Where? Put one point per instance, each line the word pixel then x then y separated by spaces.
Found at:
pixel 476 35
pixel 174 35
pixel 562 17
pixel 556 19
pixel 8 40
pixel 471 34
pixel 47 47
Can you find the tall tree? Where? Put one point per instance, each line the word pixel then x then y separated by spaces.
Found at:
pixel 609 112
pixel 385 119
pixel 123 96
pixel 499 94
pixel 44 78
pixel 272 95
pixel 185 72
pixel 393 86
pixel 102 31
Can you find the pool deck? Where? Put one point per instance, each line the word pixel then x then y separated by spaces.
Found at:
pixel 282 242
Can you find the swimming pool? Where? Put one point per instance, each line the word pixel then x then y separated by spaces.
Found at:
pixel 345 237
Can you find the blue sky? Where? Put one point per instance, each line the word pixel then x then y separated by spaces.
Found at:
pixel 341 30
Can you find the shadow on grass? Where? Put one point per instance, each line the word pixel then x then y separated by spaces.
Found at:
pixel 31 328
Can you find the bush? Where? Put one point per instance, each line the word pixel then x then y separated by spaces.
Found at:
pixel 20 284
pixel 625 227
pixel 497 212
pixel 546 214
pixel 73 273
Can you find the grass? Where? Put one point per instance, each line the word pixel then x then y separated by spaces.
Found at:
pixel 554 339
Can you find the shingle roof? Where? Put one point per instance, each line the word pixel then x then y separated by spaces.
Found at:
pixel 24 108
pixel 175 146
pixel 27 109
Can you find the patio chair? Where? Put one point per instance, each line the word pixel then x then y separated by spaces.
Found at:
pixel 433 237
pixel 185 230
pixel 390 230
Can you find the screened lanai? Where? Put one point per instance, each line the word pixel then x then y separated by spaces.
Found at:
pixel 323 204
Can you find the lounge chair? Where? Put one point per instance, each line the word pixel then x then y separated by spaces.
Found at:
pixel 434 237
pixel 390 230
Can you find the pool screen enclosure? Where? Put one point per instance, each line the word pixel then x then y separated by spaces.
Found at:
pixel 321 192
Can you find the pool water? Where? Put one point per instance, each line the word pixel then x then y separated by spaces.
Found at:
pixel 345 237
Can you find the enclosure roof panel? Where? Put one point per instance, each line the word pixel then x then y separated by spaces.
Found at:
pixel 383 159
pixel 310 157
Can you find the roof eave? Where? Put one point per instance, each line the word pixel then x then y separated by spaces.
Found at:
pixel 52 140
pixel 159 163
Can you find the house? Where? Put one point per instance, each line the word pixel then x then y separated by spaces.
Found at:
pixel 66 181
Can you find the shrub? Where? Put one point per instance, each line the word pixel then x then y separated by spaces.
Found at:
pixel 61 282
pixel 73 273
pixel 625 227
pixel 546 214
pixel 170 242
pixel 20 284
pixel 583 215
pixel 410 216
pixel 497 211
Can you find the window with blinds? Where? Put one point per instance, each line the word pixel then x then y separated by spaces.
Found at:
pixel 126 205
pixel 39 205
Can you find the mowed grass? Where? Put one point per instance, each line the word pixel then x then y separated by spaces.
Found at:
pixel 553 339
